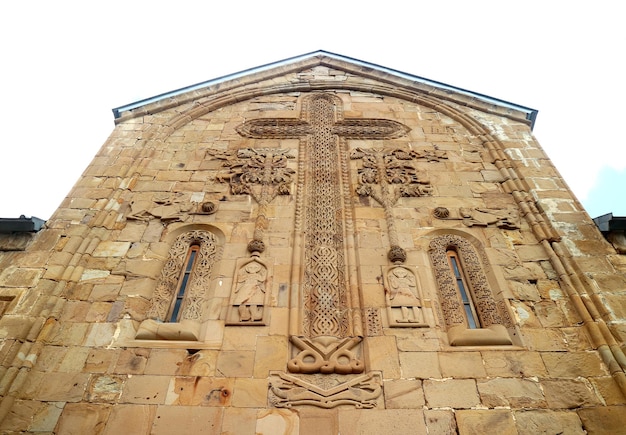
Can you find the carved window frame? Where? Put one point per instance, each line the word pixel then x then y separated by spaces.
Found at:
pixel 191 317
pixel 492 314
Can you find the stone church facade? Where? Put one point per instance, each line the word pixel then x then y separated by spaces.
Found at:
pixel 315 246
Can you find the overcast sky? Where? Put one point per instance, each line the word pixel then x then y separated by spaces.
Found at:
pixel 65 65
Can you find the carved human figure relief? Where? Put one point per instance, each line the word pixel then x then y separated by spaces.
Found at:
pixel 404 301
pixel 249 294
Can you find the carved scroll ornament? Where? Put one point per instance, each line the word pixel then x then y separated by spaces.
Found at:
pixel 328 391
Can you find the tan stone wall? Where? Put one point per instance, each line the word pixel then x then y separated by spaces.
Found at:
pixel 71 363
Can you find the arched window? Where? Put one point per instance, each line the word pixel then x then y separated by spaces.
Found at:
pixel 463 289
pixel 470 311
pixel 177 302
pixel 181 289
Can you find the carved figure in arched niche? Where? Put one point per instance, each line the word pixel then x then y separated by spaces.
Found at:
pixel 249 293
pixel 404 303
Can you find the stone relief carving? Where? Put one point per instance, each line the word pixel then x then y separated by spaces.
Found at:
pixel 325 391
pixel 157 325
pixel 386 175
pixel 507 219
pixel 403 296
pixel 320 128
pixel 488 311
pixel 261 173
pixel 326 355
pixel 250 293
pixel 169 207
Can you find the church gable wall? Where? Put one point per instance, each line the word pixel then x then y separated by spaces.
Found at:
pixel 396 196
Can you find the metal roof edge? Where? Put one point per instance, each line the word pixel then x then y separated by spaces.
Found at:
pixel 531 114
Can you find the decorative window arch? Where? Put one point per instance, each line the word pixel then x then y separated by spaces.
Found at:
pixel 491 317
pixel 176 309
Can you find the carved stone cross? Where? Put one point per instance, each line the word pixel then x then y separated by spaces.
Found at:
pixel 326 304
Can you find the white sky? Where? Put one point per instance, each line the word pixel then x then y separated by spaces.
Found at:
pixel 66 64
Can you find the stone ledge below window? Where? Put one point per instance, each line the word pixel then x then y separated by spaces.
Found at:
pixel 493 335
pixel 185 330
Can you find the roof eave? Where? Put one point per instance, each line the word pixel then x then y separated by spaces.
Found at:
pixel 531 114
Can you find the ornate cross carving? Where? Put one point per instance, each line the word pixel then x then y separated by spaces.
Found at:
pixel 320 127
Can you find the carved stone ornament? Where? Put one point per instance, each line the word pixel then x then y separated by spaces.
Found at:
pixel 156 326
pixel 164 206
pixel 507 219
pixel 404 298
pixel 325 391
pixel 489 312
pixel 326 355
pixel 250 293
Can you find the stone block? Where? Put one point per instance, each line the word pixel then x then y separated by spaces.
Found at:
pixel 55 387
pixel 104 292
pixel 111 249
pixel 573 364
pixel 461 365
pixel 101 360
pixel 607 420
pixel 130 419
pixel 387 421
pixel 544 339
pixel 422 365
pixel 236 363
pixel 83 418
pixel 569 393
pixel 382 354
pixel 105 388
pixel 239 421
pixel 165 361
pixel 74 360
pixel 132 361
pixel 403 393
pixel 277 421
pixel 199 391
pixel 513 364
pixel 197 420
pixel 201 363
pixel 547 422
pixel 271 354
pixel 511 392
pixel 145 390
pixel 318 421
pixel 20 416
pixel 495 421
pixel 47 417
pixel 452 393
pixel 250 393
pixel 609 390
pixel 440 422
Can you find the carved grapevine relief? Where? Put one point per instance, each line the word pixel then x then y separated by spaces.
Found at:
pixel 261 173
pixel 387 175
